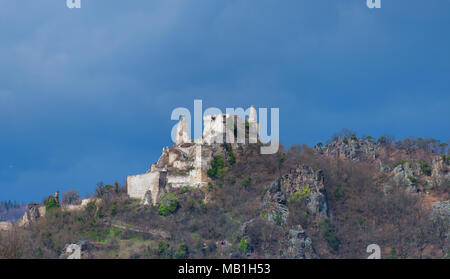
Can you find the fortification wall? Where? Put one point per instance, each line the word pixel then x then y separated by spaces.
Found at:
pixel 139 184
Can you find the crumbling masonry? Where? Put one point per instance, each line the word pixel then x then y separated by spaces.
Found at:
pixel 186 163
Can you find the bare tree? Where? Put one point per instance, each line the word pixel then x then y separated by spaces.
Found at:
pixel 71 197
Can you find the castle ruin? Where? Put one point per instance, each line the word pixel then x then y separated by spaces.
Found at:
pixel 186 162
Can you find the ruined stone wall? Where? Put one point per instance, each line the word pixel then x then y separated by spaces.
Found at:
pixel 183 135
pixel 187 162
pixel 138 185
pixel 5 226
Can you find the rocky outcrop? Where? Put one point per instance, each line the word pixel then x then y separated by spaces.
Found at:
pixel 350 148
pixel 33 213
pixel 440 169
pixel 307 183
pixel 419 175
pixel 274 204
pixel 404 174
pixel 299 245
pixel 303 183
pixel 75 251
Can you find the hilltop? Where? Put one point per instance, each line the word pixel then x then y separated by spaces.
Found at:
pixel 327 201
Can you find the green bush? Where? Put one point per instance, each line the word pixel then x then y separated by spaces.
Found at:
pixel 217 167
pixel 182 252
pixel 230 158
pixel 51 203
pixel 332 239
pixel 164 250
pixel 113 209
pixel 338 193
pixel 393 254
pixel 243 245
pixel 169 204
pixel 329 234
pixel 300 195
pixel 278 219
pixel 246 182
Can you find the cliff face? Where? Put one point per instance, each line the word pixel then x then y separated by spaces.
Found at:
pixel 304 180
pixel 33 213
pixel 350 148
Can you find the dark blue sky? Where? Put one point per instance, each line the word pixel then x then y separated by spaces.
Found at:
pixel 86 95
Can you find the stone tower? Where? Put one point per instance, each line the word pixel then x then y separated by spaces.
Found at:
pixel 183 135
pixel 253 125
pixel 252 118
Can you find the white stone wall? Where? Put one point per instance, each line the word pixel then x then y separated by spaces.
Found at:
pixel 137 185
pixel 213 129
pixel 182 132
pixel 177 180
pixel 5 226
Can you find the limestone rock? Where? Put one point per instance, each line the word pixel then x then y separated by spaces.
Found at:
pixel 440 170
pixel 404 174
pixel 274 204
pixel 350 148
pixel 299 245
pixel 183 135
pixel 33 213
pixel 75 251
pixel 305 178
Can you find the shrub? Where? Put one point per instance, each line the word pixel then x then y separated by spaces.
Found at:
pixel 169 204
pixel 300 195
pixel 217 167
pixel 182 252
pixel 328 233
pixel 51 203
pixel 338 193
pixel 243 245
pixel 230 158
pixel 164 250
pixel 106 191
pixel 246 182
pixel 71 197
pixel 393 254
pixel 113 209
pixel 278 219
